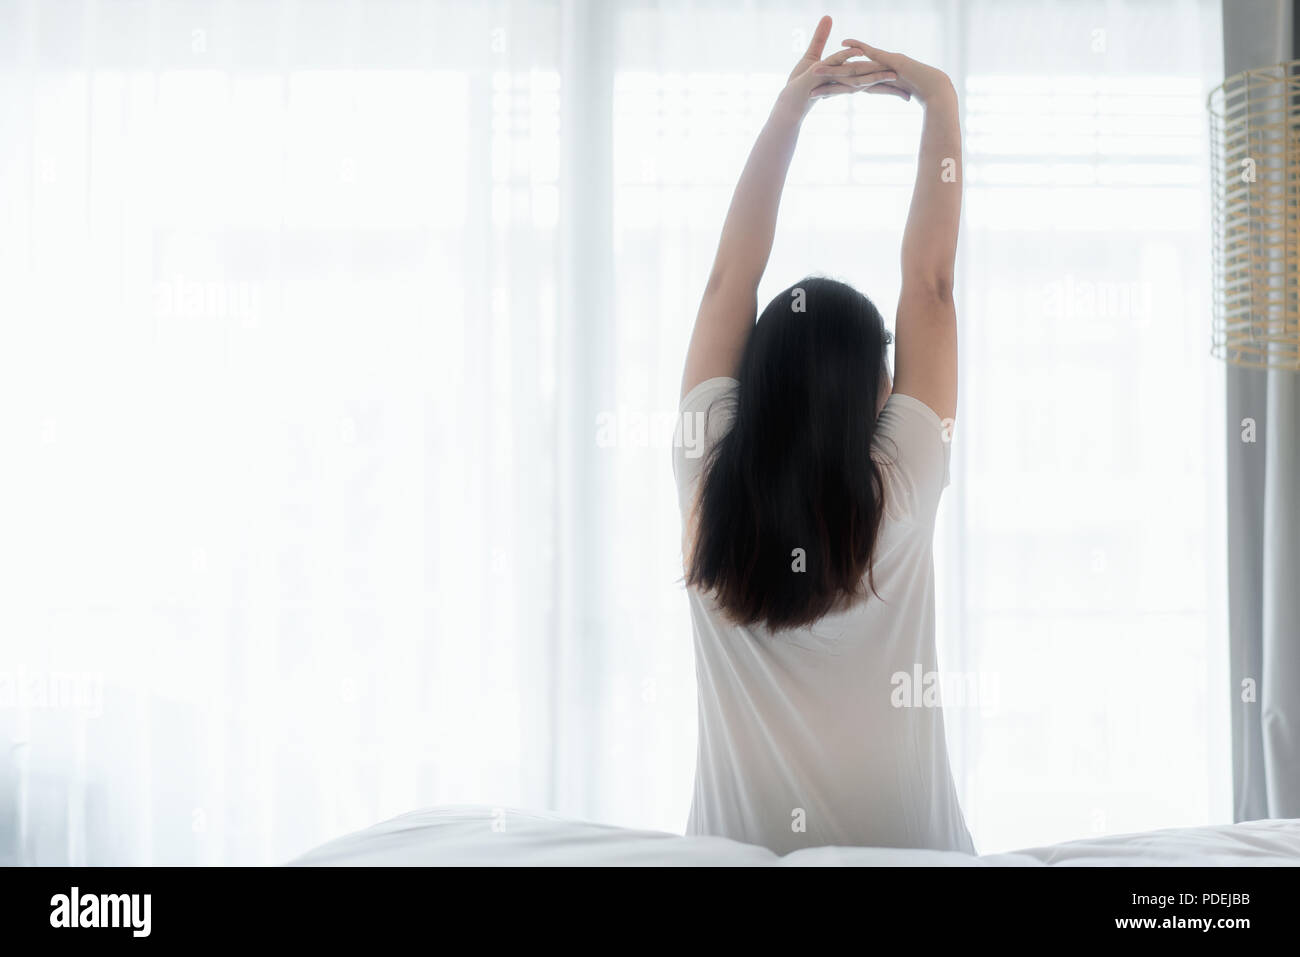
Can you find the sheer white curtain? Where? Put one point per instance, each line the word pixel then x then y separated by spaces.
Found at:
pixel 1088 571
pixel 279 288
pixel 339 344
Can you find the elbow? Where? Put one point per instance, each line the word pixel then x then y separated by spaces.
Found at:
pixel 940 286
pixel 729 281
pixel 718 281
pixel 935 285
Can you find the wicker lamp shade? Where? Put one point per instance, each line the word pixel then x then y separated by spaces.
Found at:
pixel 1255 162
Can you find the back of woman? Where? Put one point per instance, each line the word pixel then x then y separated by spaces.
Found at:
pixel 820 734
pixel 808 480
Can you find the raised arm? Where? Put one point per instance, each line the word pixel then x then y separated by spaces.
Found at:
pixel 730 302
pixel 926 330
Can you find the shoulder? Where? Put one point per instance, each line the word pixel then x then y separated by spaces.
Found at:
pixel 708 392
pixel 703 417
pixel 913 445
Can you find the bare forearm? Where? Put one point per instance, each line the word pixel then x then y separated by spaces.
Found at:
pixel 930 237
pixel 750 226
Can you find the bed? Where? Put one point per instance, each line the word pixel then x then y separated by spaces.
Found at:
pixel 485 836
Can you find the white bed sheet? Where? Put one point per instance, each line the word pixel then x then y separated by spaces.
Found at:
pixel 484 836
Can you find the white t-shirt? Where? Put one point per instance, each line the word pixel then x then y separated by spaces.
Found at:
pixel 802 739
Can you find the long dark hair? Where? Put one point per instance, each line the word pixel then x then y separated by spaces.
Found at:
pixel 795 469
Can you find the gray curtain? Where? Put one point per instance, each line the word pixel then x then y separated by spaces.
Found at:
pixel 1263 486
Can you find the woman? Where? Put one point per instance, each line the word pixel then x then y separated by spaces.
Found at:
pixel 808 483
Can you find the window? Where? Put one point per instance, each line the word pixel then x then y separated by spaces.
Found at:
pixel 339 349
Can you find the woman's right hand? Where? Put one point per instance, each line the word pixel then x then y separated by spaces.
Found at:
pixel 925 83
